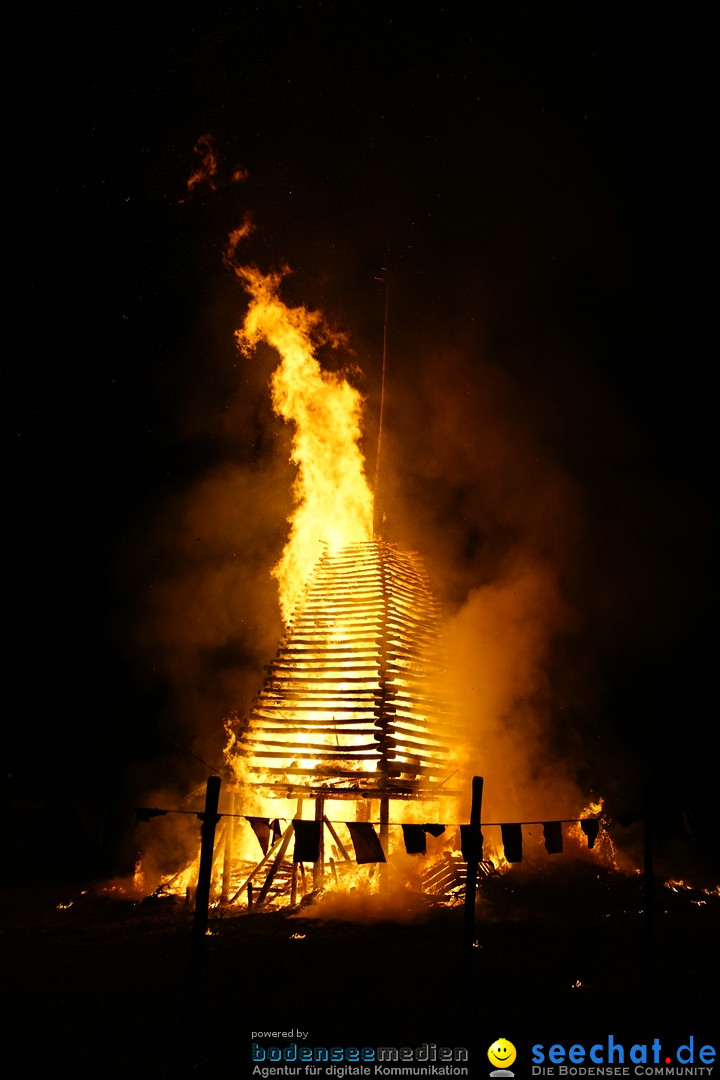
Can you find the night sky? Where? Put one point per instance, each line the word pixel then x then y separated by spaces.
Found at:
pixel 535 182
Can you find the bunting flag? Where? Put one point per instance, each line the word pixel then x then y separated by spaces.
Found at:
pixel 552 831
pixel 368 848
pixel 590 827
pixel 414 837
pixel 307 841
pixel 471 843
pixel 512 842
pixel 145 813
pixel 261 827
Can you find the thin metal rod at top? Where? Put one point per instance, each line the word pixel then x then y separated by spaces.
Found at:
pixel 377 509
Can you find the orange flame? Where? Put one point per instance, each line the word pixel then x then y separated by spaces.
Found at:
pixel 334 503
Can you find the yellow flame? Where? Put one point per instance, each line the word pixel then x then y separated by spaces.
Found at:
pixel 332 495
pixel 207 169
pixel 604 850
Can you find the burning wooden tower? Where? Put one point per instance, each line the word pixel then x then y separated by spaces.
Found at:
pixel 351 710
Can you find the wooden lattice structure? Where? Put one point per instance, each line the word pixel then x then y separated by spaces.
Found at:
pixel 352 706
pixel 351 703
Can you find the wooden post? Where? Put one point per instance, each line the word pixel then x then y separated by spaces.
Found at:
pixel 384 841
pixel 293 885
pixel 228 849
pixel 319 866
pixel 294 879
pixel 472 866
pixel 209 819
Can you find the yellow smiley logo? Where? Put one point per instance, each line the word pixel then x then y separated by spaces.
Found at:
pixel 502 1054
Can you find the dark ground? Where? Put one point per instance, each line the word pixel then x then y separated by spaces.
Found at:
pixel 101 987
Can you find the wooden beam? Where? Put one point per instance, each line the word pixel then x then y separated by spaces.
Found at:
pixel 341 847
pixel 472 869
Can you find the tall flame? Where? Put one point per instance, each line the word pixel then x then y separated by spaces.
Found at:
pixel 334 503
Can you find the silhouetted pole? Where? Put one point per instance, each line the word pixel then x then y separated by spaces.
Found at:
pixel 229 852
pixel 384 839
pixel 209 819
pixel 319 866
pixel 474 849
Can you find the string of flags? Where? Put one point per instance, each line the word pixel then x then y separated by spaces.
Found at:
pixel 368 848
